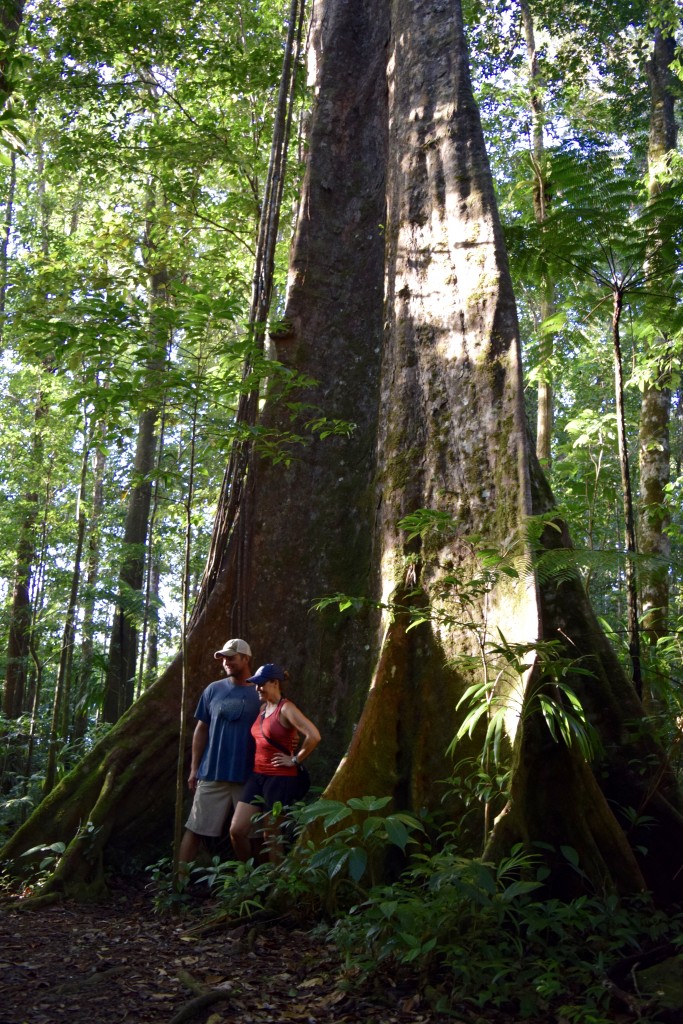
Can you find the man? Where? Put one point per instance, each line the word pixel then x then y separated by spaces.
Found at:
pixel 222 747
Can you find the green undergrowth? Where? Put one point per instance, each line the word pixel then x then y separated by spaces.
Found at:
pixel 468 935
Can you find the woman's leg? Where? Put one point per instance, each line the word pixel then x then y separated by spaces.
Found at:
pixel 240 830
pixel 278 791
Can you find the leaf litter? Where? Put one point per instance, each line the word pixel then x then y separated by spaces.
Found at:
pixel 117 962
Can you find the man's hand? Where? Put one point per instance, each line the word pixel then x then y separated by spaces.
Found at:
pixel 192 780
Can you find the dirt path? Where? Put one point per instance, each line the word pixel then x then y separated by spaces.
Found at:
pixel 120 962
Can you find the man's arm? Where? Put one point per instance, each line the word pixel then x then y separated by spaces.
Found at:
pixel 200 738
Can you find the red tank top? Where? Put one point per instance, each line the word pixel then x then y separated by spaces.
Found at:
pixel 285 735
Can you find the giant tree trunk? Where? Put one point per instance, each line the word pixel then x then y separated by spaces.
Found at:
pixel 452 431
pixel 398 200
pixel 310 534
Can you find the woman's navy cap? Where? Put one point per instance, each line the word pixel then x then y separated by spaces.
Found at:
pixel 265 673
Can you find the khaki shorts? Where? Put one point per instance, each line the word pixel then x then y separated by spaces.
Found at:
pixel 212 803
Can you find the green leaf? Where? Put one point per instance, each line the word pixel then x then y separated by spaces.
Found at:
pixel 358 860
pixel 570 854
pixel 397 833
pixel 519 888
pixel 369 803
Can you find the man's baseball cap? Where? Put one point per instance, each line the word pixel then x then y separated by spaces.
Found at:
pixel 265 673
pixel 234 647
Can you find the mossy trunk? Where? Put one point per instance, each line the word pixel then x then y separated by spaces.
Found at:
pixel 451 432
pixel 622 814
pixel 655 411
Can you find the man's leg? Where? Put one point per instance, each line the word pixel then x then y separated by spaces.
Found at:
pixel 208 813
pixel 189 848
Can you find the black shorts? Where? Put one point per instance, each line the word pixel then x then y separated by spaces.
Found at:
pixel 266 790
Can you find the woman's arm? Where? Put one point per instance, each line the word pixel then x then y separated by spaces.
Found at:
pixel 290 715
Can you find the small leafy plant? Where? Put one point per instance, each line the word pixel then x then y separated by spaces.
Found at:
pixel 354 833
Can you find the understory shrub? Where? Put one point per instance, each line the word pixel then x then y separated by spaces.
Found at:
pixel 464 932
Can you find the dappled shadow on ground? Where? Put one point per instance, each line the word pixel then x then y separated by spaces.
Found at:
pixel 118 962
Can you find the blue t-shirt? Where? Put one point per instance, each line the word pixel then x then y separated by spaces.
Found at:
pixel 229 711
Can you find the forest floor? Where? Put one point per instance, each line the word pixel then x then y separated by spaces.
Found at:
pixel 119 961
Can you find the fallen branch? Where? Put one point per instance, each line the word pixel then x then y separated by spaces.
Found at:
pixel 224 922
pixel 191 1009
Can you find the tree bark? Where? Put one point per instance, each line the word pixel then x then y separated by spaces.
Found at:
pixel 148 661
pixel 310 529
pixel 452 430
pixel 654 447
pixel 84 680
pixel 627 499
pixel 20 614
pixel 629 766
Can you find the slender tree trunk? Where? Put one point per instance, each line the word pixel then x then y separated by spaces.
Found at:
pixel 69 637
pixel 35 711
pixel 627 496
pixel 36 675
pixel 6 234
pixel 20 612
pixel 544 415
pixel 655 408
pixel 181 773
pixel 61 708
pixel 152 646
pixel 20 617
pixel 150 620
pixel 84 682
pixel 121 668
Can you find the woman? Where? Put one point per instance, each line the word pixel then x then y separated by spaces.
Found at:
pixel 275 779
